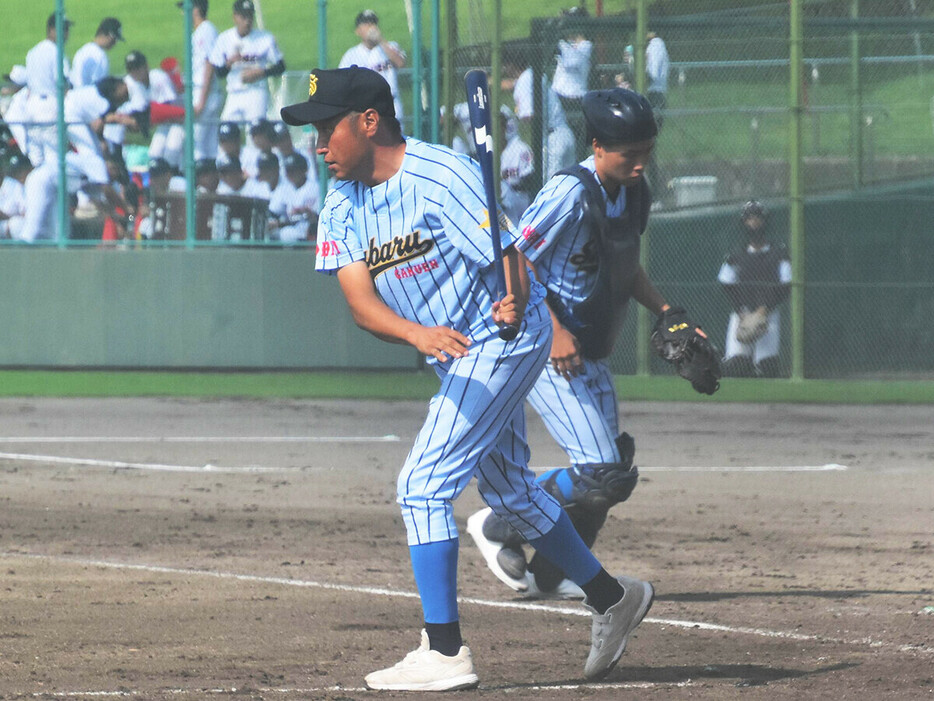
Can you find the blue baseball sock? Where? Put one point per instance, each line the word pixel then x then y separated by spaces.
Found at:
pixel 435 569
pixel 563 547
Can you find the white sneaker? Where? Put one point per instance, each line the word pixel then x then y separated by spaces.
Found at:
pixel 611 630
pixel 490 549
pixel 566 589
pixel 425 669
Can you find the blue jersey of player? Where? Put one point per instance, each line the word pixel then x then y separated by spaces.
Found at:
pixel 425 237
pixel 556 236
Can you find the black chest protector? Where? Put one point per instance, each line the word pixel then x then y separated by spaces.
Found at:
pixel 597 320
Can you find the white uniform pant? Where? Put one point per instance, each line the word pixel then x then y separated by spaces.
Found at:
pixel 766 346
pixel 205 127
pixel 476 427
pixel 167 142
pixel 246 105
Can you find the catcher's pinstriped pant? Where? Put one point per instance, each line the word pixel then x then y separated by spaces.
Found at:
pixel 581 415
pixel 476 427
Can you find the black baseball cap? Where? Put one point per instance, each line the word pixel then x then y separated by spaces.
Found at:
pixel 159 166
pixel 279 131
pixel 228 131
pixel 204 166
pixel 332 92
pixel 17 162
pixel 111 26
pixel 200 4
pixel 244 7
pixel 50 22
pixel 366 17
pixel 261 126
pixel 228 165
pixel 296 161
pixel 134 59
pixel 267 161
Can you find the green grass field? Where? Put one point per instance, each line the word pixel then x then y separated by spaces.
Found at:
pixel 422 385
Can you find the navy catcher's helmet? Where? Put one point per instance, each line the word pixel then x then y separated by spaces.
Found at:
pixel 618 116
pixel 753 208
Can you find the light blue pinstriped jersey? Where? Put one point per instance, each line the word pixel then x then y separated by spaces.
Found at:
pixel 556 236
pixel 424 235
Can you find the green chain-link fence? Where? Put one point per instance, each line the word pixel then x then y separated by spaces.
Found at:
pixel 862 111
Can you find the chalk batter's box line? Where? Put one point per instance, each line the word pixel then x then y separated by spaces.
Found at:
pixel 516 605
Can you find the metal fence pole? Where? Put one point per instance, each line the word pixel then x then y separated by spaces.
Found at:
pixel 417 69
pixel 496 62
pixel 433 97
pixel 643 320
pixel 856 102
pixel 450 39
pixel 322 63
pixel 796 188
pixel 63 216
pixel 190 222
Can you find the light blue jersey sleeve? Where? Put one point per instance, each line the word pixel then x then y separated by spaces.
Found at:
pixel 555 213
pixel 337 243
pixel 463 211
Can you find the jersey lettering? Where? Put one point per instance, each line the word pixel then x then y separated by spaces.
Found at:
pixel 400 250
pixel 417 269
pixel 327 248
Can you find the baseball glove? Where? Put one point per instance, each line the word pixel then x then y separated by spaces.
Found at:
pixel 752 325
pixel 684 344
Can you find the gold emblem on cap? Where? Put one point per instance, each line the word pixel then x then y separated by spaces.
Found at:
pixel 312 84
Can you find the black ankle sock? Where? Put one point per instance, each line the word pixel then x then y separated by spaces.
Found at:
pixel 603 591
pixel 445 637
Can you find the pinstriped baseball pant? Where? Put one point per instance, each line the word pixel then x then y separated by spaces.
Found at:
pixel 476 427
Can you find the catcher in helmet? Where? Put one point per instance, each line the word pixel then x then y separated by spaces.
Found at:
pixel 757 279
pixel 582 237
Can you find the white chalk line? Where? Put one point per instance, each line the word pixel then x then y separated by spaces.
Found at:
pixel 514 605
pixel 349 689
pixel 388 438
pixel 160 467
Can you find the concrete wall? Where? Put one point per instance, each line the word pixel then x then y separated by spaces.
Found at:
pixel 203 308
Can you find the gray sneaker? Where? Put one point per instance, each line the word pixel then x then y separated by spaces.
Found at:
pixel 610 631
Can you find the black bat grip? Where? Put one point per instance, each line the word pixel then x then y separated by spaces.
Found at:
pixel 509 333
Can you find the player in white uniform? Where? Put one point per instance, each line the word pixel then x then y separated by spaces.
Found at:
pixel 42 74
pixel 406 234
pixel 41 187
pixel 558 138
pixel 207 99
pixel 87 109
pixel 14 110
pixel 296 205
pixel 246 56
pixel 13 193
pixel 283 146
pixel 377 54
pixel 91 63
pixel 234 182
pixel 757 277
pixel 516 169
pixel 260 143
pixel 168 138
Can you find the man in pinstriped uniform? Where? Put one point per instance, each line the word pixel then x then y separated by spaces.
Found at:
pixel 581 235
pixel 406 233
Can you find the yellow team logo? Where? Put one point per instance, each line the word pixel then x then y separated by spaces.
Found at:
pixel 485 224
pixel 312 84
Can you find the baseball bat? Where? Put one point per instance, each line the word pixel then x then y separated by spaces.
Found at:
pixel 478 105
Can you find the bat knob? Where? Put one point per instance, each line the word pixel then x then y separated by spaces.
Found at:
pixel 508 333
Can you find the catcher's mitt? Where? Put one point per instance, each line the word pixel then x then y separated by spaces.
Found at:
pixel 683 343
pixel 752 326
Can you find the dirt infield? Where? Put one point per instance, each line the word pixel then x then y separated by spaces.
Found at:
pixel 181 549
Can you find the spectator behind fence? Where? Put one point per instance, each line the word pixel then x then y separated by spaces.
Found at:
pixel 246 56
pixel 295 204
pixel 205 88
pixel 376 53
pixel 756 279
pixel 557 137
pixel 41 81
pixel 657 65
pixel 516 169
pixel 572 71
pixel 13 194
